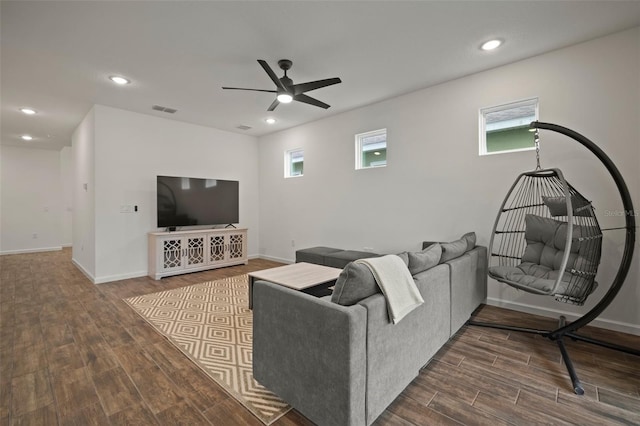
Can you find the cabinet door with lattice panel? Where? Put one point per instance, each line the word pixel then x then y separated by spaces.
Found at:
pixel 171 253
pixel 195 250
pixel 237 246
pixel 217 247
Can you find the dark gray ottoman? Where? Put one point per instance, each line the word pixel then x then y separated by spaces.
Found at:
pixel 342 258
pixel 315 254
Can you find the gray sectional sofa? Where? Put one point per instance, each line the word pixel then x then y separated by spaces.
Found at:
pixel 329 256
pixel 339 360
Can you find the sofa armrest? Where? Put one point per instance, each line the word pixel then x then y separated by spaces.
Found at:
pixel 468 285
pixel 310 352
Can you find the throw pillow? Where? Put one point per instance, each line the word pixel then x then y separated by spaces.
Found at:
pixel 458 247
pixel 354 283
pixel 426 259
pixel 404 256
pixel 558 206
pixel 470 238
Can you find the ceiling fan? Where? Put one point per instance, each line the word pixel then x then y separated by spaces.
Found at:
pixel 286 90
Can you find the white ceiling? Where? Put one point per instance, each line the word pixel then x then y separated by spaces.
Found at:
pixel 56 56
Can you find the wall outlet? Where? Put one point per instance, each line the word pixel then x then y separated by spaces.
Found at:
pixel 34 235
pixel 368 249
pixel 293 243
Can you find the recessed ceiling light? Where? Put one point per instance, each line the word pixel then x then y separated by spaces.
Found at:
pixel 28 111
pixel 491 44
pixel 26 137
pixel 119 80
pixel 270 120
pixel 285 98
pixel 376 153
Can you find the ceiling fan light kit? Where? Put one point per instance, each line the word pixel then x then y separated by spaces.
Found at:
pixel 284 98
pixel 286 91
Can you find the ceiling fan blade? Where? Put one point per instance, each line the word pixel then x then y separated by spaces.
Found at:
pixel 253 90
pixel 272 75
pixel 273 105
pixel 311 101
pixel 313 85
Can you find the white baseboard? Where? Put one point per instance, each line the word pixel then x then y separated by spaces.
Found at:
pixel 108 278
pixel 84 271
pixel 118 277
pixel 555 313
pixel 275 259
pixel 35 250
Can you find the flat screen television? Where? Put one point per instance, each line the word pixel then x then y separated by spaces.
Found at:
pixel 186 201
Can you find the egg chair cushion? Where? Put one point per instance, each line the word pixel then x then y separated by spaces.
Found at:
pixel 542 258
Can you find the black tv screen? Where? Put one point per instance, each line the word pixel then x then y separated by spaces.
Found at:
pixel 185 201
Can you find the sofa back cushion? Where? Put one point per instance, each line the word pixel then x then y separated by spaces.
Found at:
pixel 354 283
pixel 426 259
pixel 458 247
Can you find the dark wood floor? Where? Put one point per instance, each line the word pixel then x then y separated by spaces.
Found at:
pixel 74 353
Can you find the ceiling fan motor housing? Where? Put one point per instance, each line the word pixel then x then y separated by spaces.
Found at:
pixel 285 64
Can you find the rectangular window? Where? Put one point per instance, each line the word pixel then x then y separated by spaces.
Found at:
pixel 293 163
pixel 505 128
pixel 371 149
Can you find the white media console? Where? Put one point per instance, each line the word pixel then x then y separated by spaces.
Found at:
pixel 180 252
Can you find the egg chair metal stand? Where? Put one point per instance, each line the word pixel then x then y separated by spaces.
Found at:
pixel 547 241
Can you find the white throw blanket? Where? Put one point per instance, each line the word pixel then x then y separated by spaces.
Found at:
pixel 397 285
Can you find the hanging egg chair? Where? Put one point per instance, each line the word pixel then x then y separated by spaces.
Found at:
pixel 546 240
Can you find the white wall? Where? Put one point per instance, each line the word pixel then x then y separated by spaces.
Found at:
pixel 30 200
pixel 436 187
pixel 66 184
pixel 83 159
pixel 131 149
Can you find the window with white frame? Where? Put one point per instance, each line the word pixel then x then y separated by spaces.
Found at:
pixel 293 163
pixel 505 128
pixel 371 149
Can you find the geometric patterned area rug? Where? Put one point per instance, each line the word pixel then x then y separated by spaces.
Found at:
pixel 212 324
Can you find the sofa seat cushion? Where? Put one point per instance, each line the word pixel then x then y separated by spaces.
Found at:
pixel 315 254
pixel 340 259
pixel 355 282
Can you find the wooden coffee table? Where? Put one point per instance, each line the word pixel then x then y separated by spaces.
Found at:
pixel 298 276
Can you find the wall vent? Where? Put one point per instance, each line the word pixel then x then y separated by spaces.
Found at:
pixel 164 109
pixel 243 127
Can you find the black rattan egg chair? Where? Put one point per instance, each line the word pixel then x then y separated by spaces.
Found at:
pixel 546 240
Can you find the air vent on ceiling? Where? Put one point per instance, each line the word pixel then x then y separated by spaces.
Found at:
pixel 243 127
pixel 164 109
